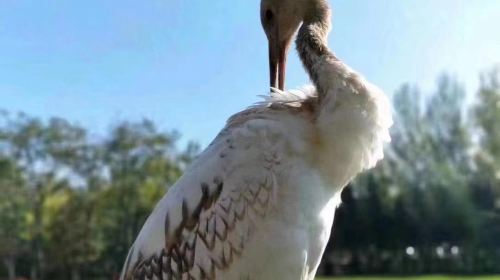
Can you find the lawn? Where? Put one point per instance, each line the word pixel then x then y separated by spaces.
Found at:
pixel 414 278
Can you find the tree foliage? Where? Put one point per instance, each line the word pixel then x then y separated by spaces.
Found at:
pixel 71 203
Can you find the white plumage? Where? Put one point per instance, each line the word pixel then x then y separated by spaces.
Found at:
pixel 282 168
pixel 259 202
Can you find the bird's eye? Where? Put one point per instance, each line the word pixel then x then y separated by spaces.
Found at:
pixel 269 15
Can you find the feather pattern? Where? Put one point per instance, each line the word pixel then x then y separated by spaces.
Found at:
pixel 254 181
pixel 208 220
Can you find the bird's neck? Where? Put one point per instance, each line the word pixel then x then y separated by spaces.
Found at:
pixel 312 45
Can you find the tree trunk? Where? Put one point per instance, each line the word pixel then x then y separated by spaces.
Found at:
pixel 10 264
pixel 37 240
pixel 75 274
pixel 33 273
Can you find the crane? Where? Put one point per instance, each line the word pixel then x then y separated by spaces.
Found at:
pixel 259 201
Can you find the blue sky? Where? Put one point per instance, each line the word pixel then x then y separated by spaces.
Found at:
pixel 189 65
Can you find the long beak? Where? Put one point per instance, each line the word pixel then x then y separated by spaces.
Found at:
pixel 277 63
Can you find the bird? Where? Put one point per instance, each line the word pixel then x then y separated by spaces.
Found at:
pixel 259 202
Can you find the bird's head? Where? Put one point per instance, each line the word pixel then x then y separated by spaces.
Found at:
pixel 280 19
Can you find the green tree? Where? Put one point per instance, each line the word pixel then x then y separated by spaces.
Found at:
pixel 140 164
pixel 71 245
pixel 45 152
pixel 487 116
pixel 13 214
pixel 486 187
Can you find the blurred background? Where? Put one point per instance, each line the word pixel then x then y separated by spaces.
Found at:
pixel 104 103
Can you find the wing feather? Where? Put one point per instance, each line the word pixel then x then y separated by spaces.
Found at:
pixel 209 214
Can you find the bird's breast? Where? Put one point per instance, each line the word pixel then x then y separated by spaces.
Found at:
pixel 289 243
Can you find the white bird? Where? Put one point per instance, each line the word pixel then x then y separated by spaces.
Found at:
pixel 259 202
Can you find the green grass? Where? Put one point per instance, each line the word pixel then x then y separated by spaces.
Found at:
pixel 414 278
